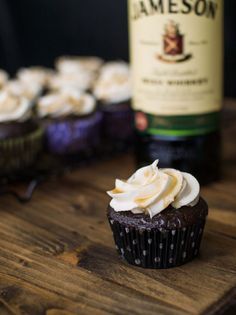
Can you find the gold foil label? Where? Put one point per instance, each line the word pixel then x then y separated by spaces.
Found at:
pixel 176 54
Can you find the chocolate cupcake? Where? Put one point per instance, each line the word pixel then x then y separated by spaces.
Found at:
pixel 113 91
pixel 72 124
pixel 157 217
pixel 20 136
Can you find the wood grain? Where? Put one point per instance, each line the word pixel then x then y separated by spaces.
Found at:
pixel 57 254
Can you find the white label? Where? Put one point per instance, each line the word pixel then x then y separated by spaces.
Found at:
pixel 176 54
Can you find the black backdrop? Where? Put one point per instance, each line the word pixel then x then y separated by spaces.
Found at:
pixel 36 31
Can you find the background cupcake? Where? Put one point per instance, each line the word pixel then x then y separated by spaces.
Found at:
pixel 113 91
pixel 20 136
pixel 72 124
pixel 157 217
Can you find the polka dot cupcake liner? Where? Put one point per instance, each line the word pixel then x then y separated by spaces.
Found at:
pixel 19 153
pixel 74 136
pixel 157 249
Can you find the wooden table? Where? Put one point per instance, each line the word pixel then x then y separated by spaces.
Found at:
pixel 57 255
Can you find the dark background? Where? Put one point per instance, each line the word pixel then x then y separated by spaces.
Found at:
pixel 36 31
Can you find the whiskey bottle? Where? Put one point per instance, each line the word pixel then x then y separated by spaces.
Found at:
pixel 177 66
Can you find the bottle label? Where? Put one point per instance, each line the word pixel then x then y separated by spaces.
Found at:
pixel 177 55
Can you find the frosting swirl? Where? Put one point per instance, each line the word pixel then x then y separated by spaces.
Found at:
pixel 78 80
pixel 13 108
pixel 151 190
pixel 114 83
pixel 69 64
pixel 66 102
pixel 38 75
pixel 28 90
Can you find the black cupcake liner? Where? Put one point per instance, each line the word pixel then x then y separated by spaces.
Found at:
pixel 19 153
pixel 157 249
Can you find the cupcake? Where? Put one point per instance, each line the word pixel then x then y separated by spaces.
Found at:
pixel 72 124
pixel 113 91
pixel 3 78
pixel 20 136
pixel 37 75
pixel 157 217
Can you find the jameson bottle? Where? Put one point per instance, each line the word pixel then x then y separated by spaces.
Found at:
pixel 176 55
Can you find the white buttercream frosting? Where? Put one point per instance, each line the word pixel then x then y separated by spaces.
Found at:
pixel 28 90
pixel 114 83
pixel 13 108
pixel 151 190
pixel 70 64
pixel 78 80
pixel 39 75
pixel 3 78
pixel 66 102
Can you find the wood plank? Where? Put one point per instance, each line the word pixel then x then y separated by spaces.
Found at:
pixel 57 254
pixel 62 232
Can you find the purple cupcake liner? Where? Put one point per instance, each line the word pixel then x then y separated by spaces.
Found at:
pixel 118 122
pixel 157 249
pixel 74 136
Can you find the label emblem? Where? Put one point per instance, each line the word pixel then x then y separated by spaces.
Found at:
pixel 173 44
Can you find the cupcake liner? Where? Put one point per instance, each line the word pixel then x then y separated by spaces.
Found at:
pixel 118 122
pixel 74 136
pixel 157 249
pixel 19 153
